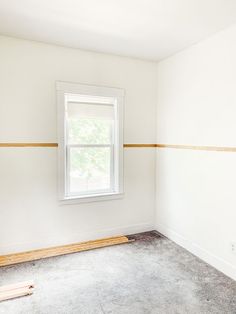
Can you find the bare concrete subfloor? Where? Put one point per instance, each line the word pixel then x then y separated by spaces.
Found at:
pixel 151 275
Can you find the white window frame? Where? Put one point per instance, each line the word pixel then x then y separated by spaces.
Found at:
pixel 63 90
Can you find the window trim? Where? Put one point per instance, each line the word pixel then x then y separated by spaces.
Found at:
pixel 63 88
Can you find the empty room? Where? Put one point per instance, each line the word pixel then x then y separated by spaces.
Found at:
pixel 118 157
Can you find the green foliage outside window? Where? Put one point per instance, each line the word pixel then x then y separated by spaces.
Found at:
pixel 89 162
pixel 89 131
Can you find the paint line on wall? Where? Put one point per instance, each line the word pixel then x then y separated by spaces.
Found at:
pixel 173 146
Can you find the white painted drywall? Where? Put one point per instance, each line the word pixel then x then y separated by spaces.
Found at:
pixel 30 214
pixel 196 198
pixel 195 192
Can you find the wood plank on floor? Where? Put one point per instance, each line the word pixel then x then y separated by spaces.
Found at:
pixel 16 258
pixel 16 290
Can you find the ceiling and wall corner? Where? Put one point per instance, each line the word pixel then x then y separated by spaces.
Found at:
pixel 147 29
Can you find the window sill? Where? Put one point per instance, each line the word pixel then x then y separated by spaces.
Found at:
pixel 91 198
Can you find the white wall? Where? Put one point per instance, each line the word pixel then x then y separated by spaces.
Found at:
pixel 196 190
pixel 30 214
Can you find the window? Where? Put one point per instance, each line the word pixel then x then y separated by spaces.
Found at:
pixel 90 131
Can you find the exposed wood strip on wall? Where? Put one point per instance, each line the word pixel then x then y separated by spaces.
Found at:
pixel 56 145
pixel 28 145
pixel 16 258
pixel 139 145
pixel 191 147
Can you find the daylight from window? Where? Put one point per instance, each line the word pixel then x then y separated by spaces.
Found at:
pixel 90 148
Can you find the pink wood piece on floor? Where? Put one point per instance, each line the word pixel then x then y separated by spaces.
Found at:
pixel 16 290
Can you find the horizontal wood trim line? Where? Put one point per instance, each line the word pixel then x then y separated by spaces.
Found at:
pixel 28 145
pixel 56 145
pixel 191 147
pixel 16 258
pixel 139 145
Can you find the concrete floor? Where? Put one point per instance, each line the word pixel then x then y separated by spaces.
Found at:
pixel 152 275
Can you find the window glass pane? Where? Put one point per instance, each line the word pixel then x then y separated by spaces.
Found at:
pixel 89 131
pixel 89 123
pixel 89 169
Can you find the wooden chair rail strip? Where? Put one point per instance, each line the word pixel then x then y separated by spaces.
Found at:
pixel 16 258
pixel 28 145
pixel 56 145
pixel 191 147
pixel 139 145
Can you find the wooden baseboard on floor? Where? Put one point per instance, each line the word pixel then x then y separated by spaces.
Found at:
pixel 16 258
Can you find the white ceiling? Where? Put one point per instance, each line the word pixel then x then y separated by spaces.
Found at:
pixel 149 29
